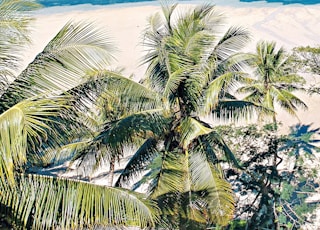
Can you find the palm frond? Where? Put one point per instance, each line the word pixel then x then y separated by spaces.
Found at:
pixel 105 88
pixel 156 56
pixel 255 86
pixel 24 126
pixel 191 129
pixel 168 7
pixel 76 49
pixel 219 198
pixel 14 27
pixel 173 83
pixel 214 89
pixel 153 35
pixel 233 110
pixel 290 79
pixel 43 202
pixel 13 143
pixel 288 101
pixel 138 125
pixel 215 141
pixel 239 62
pixel 138 162
pixel 168 176
pixel 71 151
pixel 233 40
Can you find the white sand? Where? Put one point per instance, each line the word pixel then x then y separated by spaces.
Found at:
pixel 289 26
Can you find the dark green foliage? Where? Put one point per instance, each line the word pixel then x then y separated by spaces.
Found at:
pixel 275 178
pixel 307 59
pixel 237 225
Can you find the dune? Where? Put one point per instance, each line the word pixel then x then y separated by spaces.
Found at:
pixel 290 26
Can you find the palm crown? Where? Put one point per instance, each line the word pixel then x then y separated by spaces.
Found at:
pixel 190 71
pixel 274 81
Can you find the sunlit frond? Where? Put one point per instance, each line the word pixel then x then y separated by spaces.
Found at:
pixel 15 18
pixel 25 126
pixel 238 110
pixel 214 89
pixel 169 175
pixel 219 198
pixel 291 80
pixel 138 162
pixel 168 7
pixel 105 88
pixel 77 48
pixel 45 202
pixel 191 129
pixel 173 82
pixel 233 40
pixel 288 101
pixel 13 141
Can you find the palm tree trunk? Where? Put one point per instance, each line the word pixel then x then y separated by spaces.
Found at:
pixel 111 171
pixel 274 121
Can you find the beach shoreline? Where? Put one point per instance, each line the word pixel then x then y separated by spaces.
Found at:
pixel 290 26
pixel 89 6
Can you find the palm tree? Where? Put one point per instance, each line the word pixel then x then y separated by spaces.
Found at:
pixel 116 98
pixel 191 73
pixel 274 81
pixel 37 114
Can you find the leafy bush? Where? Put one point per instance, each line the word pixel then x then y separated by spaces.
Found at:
pixel 276 178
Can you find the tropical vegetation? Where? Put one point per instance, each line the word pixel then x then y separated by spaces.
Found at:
pixel 307 61
pixel 39 112
pixel 276 188
pixel 68 105
pixel 308 58
pixel 190 71
pixel 275 80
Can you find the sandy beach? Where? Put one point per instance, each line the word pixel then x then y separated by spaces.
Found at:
pixel 289 26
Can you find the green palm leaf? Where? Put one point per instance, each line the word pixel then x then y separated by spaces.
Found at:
pixel 233 40
pixel 287 100
pixel 69 152
pixel 138 162
pixel 191 129
pixel 13 143
pixel 238 110
pixel 219 198
pixel 14 26
pixel 47 202
pixel 213 140
pixel 26 123
pixel 290 80
pixel 169 174
pixel 167 10
pixel 110 92
pixel 77 48
pixel 215 87
pixel 144 124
